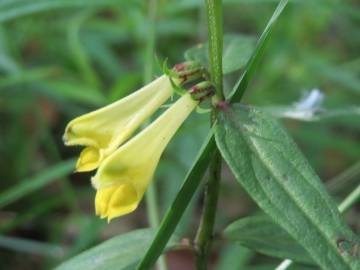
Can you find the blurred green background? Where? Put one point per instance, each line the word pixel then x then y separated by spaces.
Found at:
pixel 60 59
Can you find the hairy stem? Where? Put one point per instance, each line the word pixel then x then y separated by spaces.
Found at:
pixel 215 33
pixel 205 232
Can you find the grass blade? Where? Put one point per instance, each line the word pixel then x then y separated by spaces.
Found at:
pixel 15 8
pixel 37 182
pixel 176 210
pixel 120 252
pixel 192 179
pixel 32 247
pixel 248 73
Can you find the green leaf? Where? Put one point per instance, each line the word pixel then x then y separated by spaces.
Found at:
pixel 31 247
pixel 242 83
pixel 237 51
pixel 10 9
pixel 268 164
pixel 80 57
pixel 90 228
pixel 74 91
pixel 26 77
pixel 234 257
pixel 261 234
pixel 33 212
pixel 181 201
pixel 346 179
pixel 120 252
pixel 198 53
pixel 36 182
pixel 346 79
pixel 192 181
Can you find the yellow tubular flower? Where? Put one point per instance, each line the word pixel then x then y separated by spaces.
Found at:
pixel 104 130
pixel 123 177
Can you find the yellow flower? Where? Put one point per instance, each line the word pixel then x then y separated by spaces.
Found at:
pixel 104 130
pixel 124 176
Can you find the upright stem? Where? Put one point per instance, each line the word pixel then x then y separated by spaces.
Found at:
pixel 350 200
pixel 151 193
pixel 211 194
pixel 215 33
pixel 205 232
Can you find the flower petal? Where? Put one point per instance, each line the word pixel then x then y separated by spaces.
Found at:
pixel 88 159
pixel 116 201
pixel 107 128
pixel 134 163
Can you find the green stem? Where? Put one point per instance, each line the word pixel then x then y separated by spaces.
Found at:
pixel 350 200
pixel 215 30
pixel 194 175
pixel 205 232
pixel 344 179
pixel 211 193
pixel 151 194
pixel 181 201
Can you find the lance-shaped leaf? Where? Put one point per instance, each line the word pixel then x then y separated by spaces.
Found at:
pixel 120 252
pixel 268 164
pixel 237 50
pixel 262 234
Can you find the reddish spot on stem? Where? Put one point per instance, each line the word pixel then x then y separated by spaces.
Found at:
pixel 194 90
pixel 184 78
pixel 187 75
pixel 179 67
pixel 222 105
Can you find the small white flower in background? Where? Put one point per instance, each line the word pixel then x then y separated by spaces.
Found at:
pixel 310 100
pixel 307 107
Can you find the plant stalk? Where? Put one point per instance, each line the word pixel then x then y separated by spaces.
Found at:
pixel 215 33
pixel 205 233
pixel 181 201
pixel 197 170
pixel 350 200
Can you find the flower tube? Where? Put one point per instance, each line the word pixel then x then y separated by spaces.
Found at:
pixel 104 130
pixel 124 176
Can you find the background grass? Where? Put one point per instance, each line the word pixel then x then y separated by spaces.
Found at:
pixel 59 59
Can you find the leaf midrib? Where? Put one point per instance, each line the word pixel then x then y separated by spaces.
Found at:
pixel 294 199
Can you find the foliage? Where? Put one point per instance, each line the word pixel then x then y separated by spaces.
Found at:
pixel 60 59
